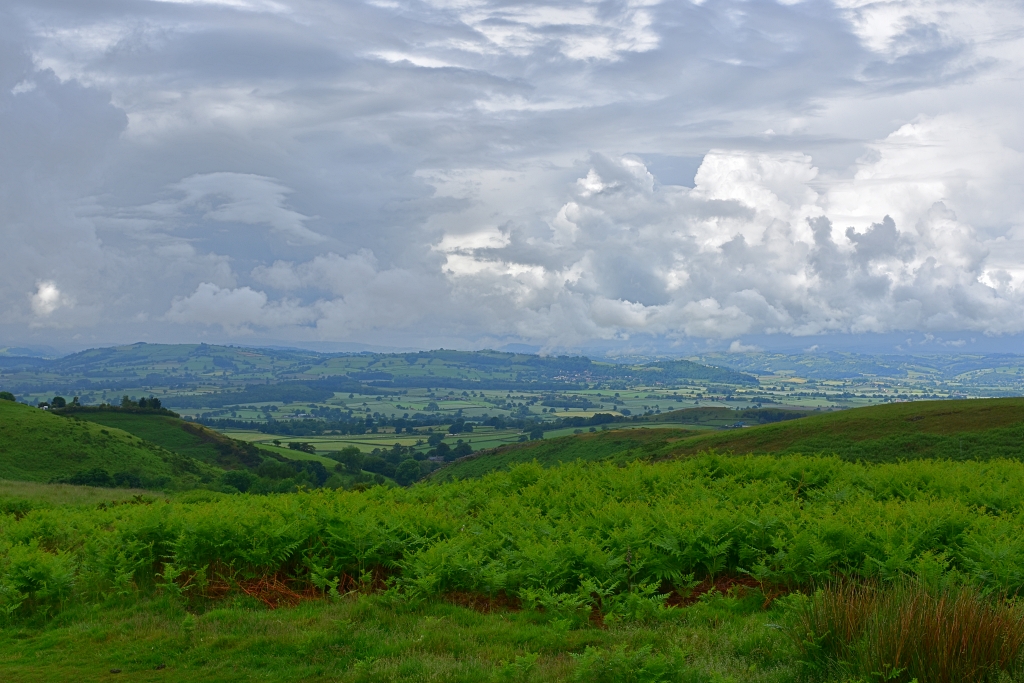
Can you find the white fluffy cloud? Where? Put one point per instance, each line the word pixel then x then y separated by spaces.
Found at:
pixel 237 310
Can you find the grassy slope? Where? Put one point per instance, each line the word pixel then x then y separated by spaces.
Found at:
pixel 188 439
pixel 18 497
pixel 623 444
pixel 38 446
pixel 969 429
pixel 956 430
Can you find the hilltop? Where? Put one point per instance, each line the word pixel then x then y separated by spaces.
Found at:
pixel 38 446
pixel 976 429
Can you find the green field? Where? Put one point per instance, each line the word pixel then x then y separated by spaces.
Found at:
pixel 38 446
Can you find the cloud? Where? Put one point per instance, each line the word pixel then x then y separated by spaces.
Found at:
pixel 239 198
pixel 739 347
pixel 476 172
pixel 47 299
pixel 236 310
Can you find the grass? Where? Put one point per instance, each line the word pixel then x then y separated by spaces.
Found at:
pixel 38 446
pixel 906 632
pixel 957 430
pixel 373 638
pixel 18 497
pixel 177 435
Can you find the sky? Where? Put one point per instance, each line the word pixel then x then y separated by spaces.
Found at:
pixel 557 175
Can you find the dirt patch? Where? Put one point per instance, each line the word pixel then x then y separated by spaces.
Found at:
pixel 484 603
pixel 737 585
pixel 272 591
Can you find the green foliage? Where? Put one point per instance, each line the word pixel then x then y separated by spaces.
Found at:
pixel 7 396
pixel 617 665
pixel 407 472
pixel 580 537
pixel 36 445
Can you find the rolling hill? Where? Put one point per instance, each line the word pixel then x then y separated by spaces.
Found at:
pixel 177 435
pixel 38 446
pixel 976 429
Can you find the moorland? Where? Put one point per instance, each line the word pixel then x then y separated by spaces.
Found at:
pixel 502 517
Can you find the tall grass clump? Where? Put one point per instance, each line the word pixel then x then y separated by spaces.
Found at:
pixel 905 631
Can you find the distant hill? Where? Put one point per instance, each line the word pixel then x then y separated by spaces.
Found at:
pixel 177 435
pixel 975 429
pixel 244 375
pixel 38 446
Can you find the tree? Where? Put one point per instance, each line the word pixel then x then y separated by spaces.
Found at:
pixel 58 402
pixel 443 450
pixel 238 479
pixel 536 434
pixel 7 396
pixel 407 472
pixel 434 439
pixel 350 458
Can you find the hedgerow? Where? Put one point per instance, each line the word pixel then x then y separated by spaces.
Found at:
pixel 571 537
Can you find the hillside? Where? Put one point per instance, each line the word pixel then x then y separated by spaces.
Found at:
pixel 956 430
pixel 977 429
pixel 617 444
pixel 177 435
pixel 38 446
